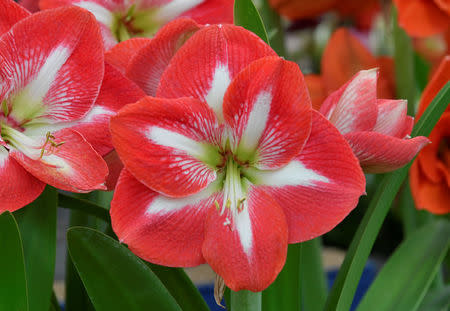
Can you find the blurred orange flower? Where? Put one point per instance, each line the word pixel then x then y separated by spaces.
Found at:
pixel 422 18
pixel 362 12
pixel 342 58
pixel 430 172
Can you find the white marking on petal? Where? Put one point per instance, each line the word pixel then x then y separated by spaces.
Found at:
pixel 388 119
pixel 163 205
pixel 257 121
pixel 94 113
pixel 102 14
pixel 175 140
pixel 4 154
pixel 244 228
pixel 175 8
pixel 293 174
pixel 219 84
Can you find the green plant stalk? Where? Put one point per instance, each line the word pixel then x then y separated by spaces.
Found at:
pixel 314 283
pixel 285 293
pixel 341 295
pixel 245 300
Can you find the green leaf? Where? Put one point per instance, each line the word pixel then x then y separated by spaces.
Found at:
pixel 272 23
pixel 284 293
pixel 180 287
pixel 437 300
pixel 341 295
pixel 115 278
pixel 13 284
pixel 37 224
pixel 78 204
pixel 407 275
pixel 313 279
pixel 247 16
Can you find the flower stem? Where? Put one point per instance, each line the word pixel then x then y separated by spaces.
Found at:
pixel 245 300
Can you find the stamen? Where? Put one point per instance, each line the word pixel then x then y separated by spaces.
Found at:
pixel 49 138
pixel 234 194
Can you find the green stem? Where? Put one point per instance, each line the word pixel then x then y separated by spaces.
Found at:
pixel 314 284
pixel 245 300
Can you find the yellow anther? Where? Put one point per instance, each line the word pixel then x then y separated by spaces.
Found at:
pixel 49 138
pixel 217 205
pixel 240 204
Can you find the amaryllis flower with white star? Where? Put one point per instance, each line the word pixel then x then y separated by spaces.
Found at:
pixel 125 19
pixel 229 163
pixel 51 70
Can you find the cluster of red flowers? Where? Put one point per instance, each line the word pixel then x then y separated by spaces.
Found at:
pixel 222 158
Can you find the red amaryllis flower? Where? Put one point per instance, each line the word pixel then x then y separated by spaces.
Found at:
pixel 377 129
pixel 229 163
pixel 342 58
pixel 430 172
pixel 422 18
pixel 47 83
pixel 124 19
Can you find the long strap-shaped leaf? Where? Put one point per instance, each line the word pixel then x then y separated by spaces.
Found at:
pixel 247 16
pixel 413 265
pixel 341 295
pixel 13 284
pixel 115 278
pixel 37 224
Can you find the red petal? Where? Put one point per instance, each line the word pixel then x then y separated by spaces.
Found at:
pixel 149 63
pixel 121 54
pixel 268 108
pixel 205 65
pixel 320 187
pixel 421 18
pixel 10 13
pixel 19 187
pixel 164 143
pixel 212 12
pixel 160 229
pixel 354 106
pixel 392 119
pixel 249 251
pixel 378 153
pixel 31 5
pixel 73 166
pixel 115 167
pixel 116 92
pixel 61 81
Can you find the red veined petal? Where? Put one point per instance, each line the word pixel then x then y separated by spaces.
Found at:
pixel 115 167
pixel 378 153
pixel 267 106
pixel 248 251
pixel 10 13
pixel 205 65
pixel 19 187
pixel 354 106
pixel 116 92
pixel 159 229
pixel 320 187
pixel 392 117
pixel 46 71
pixel 31 5
pixel 73 166
pixel 421 18
pixel 149 63
pixel 212 12
pixel 170 145
pixel 121 54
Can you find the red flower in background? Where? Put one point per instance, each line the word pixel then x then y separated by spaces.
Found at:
pixel 342 58
pixel 229 163
pixel 124 19
pixel 422 18
pixel 376 129
pixel 48 84
pixel 430 172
